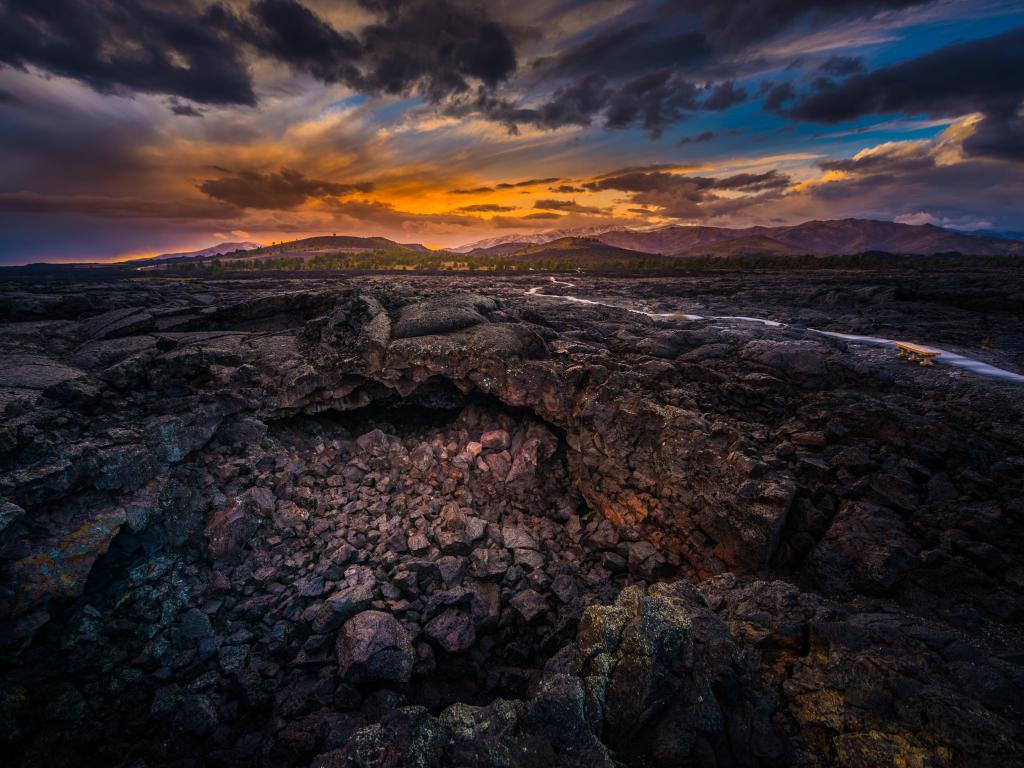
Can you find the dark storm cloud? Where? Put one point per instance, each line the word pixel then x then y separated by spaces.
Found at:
pixel 633 73
pixel 777 95
pixel 749 182
pixel 289 31
pixel 724 96
pixel 114 207
pixel 282 190
pixel 527 183
pixel 655 101
pixel 503 185
pixel 486 208
pixel 68 145
pixel 567 189
pixel 887 163
pixel 983 188
pixel 647 181
pixel 628 50
pixel 638 70
pixel 651 168
pixel 6 97
pixel 984 75
pixel 705 136
pixel 642 69
pixel 686 197
pixel 473 191
pixel 698 139
pixel 841 66
pixel 543 215
pixel 433 44
pixel 1001 138
pixel 741 22
pixel 662 58
pixel 569 206
pixel 185 110
pixel 434 47
pixel 573 104
pixel 130 45
pixel 680 34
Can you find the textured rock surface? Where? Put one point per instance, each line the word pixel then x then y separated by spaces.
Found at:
pixel 374 648
pixel 393 521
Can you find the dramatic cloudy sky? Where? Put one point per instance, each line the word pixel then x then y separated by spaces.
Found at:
pixel 133 127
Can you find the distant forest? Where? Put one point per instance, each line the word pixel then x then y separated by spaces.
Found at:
pixel 405 260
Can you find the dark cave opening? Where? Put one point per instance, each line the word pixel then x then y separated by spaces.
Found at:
pixel 433 402
pixel 158 609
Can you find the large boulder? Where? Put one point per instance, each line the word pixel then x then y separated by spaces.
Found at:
pixel 439 315
pixel 373 647
pixel 230 528
pixel 452 631
pixel 668 685
pixel 345 602
pixel 653 680
pixel 873 687
pixel 33 372
pixel 789 357
pixel 9 514
pixel 406 737
pixel 866 549
pixel 59 569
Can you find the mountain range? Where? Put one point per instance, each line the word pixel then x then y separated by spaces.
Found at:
pixel 214 250
pixel 822 238
pixel 334 243
pixel 492 244
pixel 304 248
pixel 752 245
pixel 819 238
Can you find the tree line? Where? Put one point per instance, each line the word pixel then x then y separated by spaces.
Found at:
pixel 400 259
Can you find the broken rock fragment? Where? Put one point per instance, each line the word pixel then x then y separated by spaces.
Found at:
pixel 373 647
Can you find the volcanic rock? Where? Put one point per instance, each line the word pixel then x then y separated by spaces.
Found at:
pixel 373 647
pixel 441 521
pixel 452 630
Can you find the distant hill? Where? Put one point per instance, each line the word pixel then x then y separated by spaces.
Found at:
pixel 500 250
pixel 581 251
pixel 823 238
pixel 674 239
pixel 605 247
pixel 497 250
pixel 533 238
pixel 329 243
pixel 304 249
pixel 826 238
pixel 754 245
pixel 859 235
pixel 213 250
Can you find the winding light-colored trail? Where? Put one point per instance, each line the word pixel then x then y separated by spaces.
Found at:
pixel 944 356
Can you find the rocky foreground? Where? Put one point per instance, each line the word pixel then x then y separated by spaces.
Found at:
pixel 437 521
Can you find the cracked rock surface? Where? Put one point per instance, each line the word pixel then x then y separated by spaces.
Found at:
pixel 389 521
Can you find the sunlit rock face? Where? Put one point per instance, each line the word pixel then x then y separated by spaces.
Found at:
pixel 398 521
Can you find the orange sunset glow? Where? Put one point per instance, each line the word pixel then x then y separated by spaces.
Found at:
pixel 281 120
